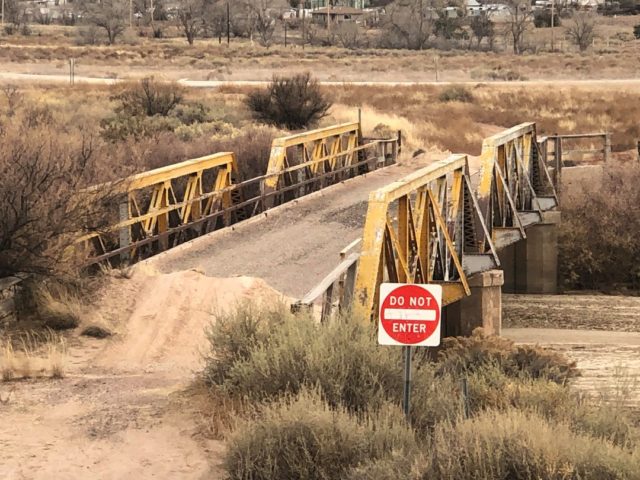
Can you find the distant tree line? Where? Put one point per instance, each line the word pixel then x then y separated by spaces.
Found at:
pixel 402 24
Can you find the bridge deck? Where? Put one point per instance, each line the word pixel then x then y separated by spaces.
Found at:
pixel 296 245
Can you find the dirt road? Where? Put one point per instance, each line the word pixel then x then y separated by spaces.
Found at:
pixel 98 78
pixel 126 408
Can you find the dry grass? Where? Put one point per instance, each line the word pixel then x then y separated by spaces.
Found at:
pixel 58 309
pixel 614 56
pixel 460 127
pixel 33 354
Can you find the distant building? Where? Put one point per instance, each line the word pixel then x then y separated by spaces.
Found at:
pixel 316 4
pixel 336 15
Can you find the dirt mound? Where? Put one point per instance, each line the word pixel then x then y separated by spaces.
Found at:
pixel 164 316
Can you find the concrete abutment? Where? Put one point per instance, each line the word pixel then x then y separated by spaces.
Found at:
pixel 483 308
pixel 531 265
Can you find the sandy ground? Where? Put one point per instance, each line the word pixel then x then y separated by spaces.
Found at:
pixel 600 332
pixel 609 361
pixel 125 409
pixel 589 312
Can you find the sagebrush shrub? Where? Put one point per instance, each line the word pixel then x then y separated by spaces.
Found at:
pixel 456 94
pixel 325 405
pixel 513 444
pixel 304 438
pixel 466 354
pixel 291 102
pixel 148 97
pixel 234 335
pixel 298 352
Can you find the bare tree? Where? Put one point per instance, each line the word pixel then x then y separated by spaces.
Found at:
pixel 215 19
pixel 191 18
pixel 520 17
pixel 482 27
pixel 262 17
pixel 409 23
pixel 14 15
pixel 110 15
pixel 349 35
pixel 582 29
pixel 44 203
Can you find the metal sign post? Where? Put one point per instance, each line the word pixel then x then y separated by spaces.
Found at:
pixel 406 397
pixel 409 316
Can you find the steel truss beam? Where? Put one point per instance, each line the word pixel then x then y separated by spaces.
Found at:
pixel 446 227
pixel 418 230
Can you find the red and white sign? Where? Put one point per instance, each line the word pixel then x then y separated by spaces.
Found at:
pixel 410 314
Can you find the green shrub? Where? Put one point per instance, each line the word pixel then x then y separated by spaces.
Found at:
pixel 291 102
pixel 234 335
pixel 466 354
pixel 525 446
pixel 342 359
pixel 122 126
pixel 303 438
pixel 455 94
pixel 193 112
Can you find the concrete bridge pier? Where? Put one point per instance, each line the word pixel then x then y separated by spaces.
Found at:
pixel 483 308
pixel 531 265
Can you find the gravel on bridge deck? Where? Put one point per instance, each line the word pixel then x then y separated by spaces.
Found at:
pixel 292 247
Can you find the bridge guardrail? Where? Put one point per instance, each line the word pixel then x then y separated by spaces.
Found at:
pixel 515 185
pixel 335 291
pixel 560 151
pixel 173 204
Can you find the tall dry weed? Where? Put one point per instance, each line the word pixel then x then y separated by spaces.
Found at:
pixel 33 354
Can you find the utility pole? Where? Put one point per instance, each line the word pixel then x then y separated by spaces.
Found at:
pixel 304 33
pixel 2 22
pixel 228 25
pixel 553 2
pixel 130 13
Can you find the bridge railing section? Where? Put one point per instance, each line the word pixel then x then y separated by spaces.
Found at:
pixel 561 151
pixel 515 186
pixel 308 161
pixel 164 207
pixel 334 294
pixel 419 230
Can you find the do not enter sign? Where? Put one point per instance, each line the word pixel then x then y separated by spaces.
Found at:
pixel 410 314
